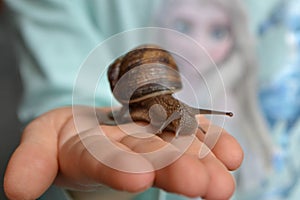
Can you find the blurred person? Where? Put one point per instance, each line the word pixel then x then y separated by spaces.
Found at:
pixel 222 29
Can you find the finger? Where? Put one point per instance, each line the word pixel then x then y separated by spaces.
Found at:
pixel 92 159
pixel 228 150
pixel 34 162
pixel 221 182
pixel 177 173
pixel 158 152
pixel 219 179
pixel 186 176
pixel 223 145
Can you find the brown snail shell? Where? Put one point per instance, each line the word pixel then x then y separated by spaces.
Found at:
pixel 144 67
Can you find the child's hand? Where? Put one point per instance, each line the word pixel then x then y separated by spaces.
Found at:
pixel 51 150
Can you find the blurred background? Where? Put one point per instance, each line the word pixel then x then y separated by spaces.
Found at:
pixel 256 47
pixel 275 27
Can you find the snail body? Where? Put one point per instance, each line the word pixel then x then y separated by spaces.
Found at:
pixel 170 115
pixel 143 81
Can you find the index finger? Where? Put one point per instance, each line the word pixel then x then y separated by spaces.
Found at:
pixel 224 146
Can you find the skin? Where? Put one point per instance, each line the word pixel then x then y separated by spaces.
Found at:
pixel 208 24
pixel 51 151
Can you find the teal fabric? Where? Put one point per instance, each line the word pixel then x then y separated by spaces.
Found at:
pixel 150 194
pixel 56 36
pixel 158 194
pixel 54 193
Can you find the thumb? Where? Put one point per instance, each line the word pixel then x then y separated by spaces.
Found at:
pixel 33 166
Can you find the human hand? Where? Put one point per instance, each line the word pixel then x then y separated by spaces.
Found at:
pixel 52 151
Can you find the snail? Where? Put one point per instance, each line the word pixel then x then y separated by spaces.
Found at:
pixel 143 81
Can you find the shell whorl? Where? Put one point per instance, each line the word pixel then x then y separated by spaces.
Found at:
pixel 143 72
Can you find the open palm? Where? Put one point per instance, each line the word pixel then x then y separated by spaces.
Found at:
pixel 52 151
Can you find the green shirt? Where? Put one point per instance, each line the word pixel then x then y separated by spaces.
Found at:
pixel 56 36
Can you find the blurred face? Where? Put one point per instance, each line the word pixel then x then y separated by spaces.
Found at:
pixel 206 23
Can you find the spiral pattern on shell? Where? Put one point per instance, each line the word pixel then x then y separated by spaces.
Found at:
pixel 144 72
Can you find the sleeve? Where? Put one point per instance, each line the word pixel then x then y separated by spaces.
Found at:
pixel 54 37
